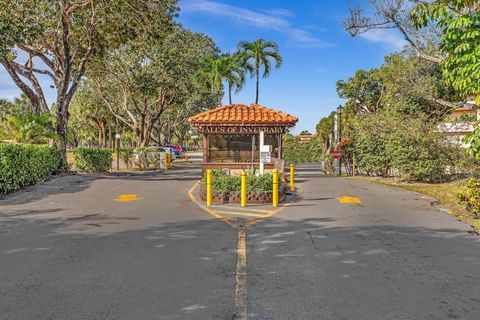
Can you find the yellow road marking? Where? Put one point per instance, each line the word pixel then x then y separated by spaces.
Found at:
pixel 240 308
pixel 228 221
pixel 127 198
pixel 243 214
pixel 347 199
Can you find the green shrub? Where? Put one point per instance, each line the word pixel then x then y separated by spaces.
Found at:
pixel 370 147
pixel 126 154
pixel 296 151
pixel 419 152
pixel 224 182
pixel 23 164
pixel 93 159
pixel 470 198
pixel 145 158
pixel 388 143
pixel 142 158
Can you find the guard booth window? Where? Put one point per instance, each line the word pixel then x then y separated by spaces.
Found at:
pixel 239 148
pixel 233 148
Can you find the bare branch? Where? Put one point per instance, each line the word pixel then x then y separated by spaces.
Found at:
pixel 26 72
pixel 32 96
pixel 392 14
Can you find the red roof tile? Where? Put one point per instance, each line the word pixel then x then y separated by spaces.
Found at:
pixel 238 114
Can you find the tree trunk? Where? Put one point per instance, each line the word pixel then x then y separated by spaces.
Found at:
pixel 61 131
pixel 99 136
pixel 229 92
pixel 109 132
pixel 258 86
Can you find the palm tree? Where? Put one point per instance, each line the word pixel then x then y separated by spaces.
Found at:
pixel 215 70
pixel 208 75
pixel 234 73
pixel 31 128
pixel 258 54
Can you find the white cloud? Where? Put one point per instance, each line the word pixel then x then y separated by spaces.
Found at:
pixel 276 21
pixel 280 12
pixel 388 37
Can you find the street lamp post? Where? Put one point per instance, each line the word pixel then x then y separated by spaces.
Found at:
pixel 339 112
pixel 117 139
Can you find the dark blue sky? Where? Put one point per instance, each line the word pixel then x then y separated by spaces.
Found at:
pixel 317 52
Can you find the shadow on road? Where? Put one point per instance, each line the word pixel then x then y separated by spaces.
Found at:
pixel 343 269
pixel 54 185
pixel 69 184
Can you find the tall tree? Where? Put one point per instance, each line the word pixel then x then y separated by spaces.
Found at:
pixel 234 70
pixel 90 117
pixel 459 22
pixel 217 70
pixel 258 55
pixel 395 15
pixel 57 38
pixel 210 76
pixel 405 83
pixel 140 81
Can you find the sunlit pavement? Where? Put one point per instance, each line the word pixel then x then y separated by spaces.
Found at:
pixel 135 246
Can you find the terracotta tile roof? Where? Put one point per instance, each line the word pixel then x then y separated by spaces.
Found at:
pixel 237 114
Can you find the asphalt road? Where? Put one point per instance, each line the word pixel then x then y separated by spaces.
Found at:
pixel 70 250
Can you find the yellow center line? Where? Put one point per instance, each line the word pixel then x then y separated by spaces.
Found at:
pixel 240 308
pixel 228 221
pixel 244 214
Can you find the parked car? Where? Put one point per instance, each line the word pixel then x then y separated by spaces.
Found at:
pixel 177 150
pixel 169 150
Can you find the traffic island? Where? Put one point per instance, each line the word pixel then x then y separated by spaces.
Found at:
pixel 218 187
pixel 234 197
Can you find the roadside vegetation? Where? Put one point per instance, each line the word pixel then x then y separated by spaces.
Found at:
pixel 296 151
pixel 390 120
pixel 93 160
pixel 117 69
pixel 22 165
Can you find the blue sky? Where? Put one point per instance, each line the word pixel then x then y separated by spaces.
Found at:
pixel 317 52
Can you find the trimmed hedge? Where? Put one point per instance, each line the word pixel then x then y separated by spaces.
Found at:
pixel 224 182
pixel 22 165
pixel 93 160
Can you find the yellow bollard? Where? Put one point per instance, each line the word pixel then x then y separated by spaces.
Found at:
pixel 243 199
pixel 275 188
pixel 169 161
pixel 209 187
pixel 292 177
pixel 165 161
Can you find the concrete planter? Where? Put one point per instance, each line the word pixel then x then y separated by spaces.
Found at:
pixel 253 197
